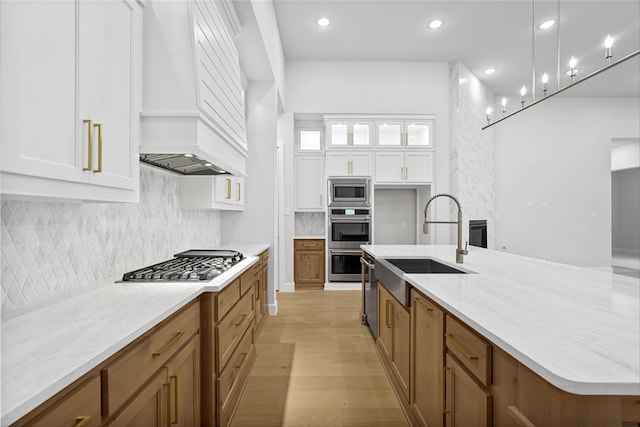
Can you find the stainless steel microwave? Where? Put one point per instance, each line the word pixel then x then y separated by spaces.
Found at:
pixel 349 192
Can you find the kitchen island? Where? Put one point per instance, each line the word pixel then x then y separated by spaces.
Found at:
pixel 578 329
pixel 46 349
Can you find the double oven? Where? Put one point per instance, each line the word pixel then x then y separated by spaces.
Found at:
pixel 349 227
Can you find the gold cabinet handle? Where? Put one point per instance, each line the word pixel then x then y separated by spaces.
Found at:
pixel 82 420
pixel 321 200
pixel 174 378
pixel 459 346
pixel 449 388
pixel 243 356
pixel 401 172
pixel 99 126
pixel 90 142
pixel 169 344
pixel 406 173
pixel 228 188
pixel 307 245
pixel 238 198
pixel 519 417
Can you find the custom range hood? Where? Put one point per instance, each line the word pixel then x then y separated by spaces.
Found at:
pixel 192 114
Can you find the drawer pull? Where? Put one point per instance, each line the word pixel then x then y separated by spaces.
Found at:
pixel 169 344
pixel 306 245
pixel 99 127
pixel 464 352
pixel 243 356
pixel 174 378
pixel 242 317
pixel 386 314
pixel 82 420
pixel 519 417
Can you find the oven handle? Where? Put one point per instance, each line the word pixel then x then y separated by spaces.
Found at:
pixel 367 264
pixel 345 252
pixel 335 218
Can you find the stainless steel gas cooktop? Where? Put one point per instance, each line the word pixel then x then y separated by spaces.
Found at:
pixel 191 265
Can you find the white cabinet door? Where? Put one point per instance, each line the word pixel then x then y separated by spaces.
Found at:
pixel 361 134
pixel 389 167
pixel 418 167
pixel 70 99
pixel 107 49
pixel 239 187
pixel 309 183
pixel 361 163
pixel 224 191
pixel 419 134
pixel 337 134
pixel 338 163
pixel 390 134
pixel 38 126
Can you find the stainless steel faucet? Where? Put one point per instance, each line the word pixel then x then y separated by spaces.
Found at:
pixel 425 227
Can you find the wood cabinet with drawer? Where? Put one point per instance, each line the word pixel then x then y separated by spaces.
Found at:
pixel 228 349
pixel 309 263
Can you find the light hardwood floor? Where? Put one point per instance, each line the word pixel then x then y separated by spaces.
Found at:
pixel 317 366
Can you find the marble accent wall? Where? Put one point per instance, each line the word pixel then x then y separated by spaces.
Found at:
pixel 309 224
pixel 51 249
pixel 472 149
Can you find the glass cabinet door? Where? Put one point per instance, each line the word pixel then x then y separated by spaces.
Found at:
pixel 338 134
pixel 418 134
pixel 360 134
pixel 389 134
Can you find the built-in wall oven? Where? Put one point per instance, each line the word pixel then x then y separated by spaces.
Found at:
pixel 348 229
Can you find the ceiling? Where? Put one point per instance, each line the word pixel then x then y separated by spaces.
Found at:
pixel 480 34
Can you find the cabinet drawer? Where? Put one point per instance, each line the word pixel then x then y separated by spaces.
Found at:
pixel 230 329
pixel 472 350
pixel 249 277
pixel 229 374
pixel 122 377
pixel 80 407
pixel 227 298
pixel 308 244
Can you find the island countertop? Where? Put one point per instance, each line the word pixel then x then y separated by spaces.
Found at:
pixel 577 328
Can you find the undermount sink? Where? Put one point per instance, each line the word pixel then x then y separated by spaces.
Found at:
pixel 423 266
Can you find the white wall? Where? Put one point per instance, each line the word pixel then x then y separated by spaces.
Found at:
pixel 553 178
pixel 626 210
pixel 625 154
pixel 370 87
pixel 257 222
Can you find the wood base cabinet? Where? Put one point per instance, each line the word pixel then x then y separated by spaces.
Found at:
pixel 427 361
pixel 467 404
pixel 309 263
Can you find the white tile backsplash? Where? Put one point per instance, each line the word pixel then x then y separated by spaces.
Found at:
pixel 310 224
pixel 51 248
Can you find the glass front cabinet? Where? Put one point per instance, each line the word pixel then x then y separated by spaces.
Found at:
pixel 408 133
pixel 349 134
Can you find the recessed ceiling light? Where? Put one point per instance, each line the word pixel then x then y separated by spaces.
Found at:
pixel 208 165
pixel 490 71
pixel 435 24
pixel 188 155
pixel 323 22
pixel 545 25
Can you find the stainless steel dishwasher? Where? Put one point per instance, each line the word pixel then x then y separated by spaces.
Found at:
pixel 369 294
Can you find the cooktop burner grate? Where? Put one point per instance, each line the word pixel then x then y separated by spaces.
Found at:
pixel 193 265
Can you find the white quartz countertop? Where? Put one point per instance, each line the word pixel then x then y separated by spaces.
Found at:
pixel 577 328
pixel 48 348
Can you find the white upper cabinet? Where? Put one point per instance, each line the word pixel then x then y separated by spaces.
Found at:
pixel 309 140
pixel 349 163
pixel 310 183
pixel 404 134
pixel 404 167
pixel 221 192
pixel 70 84
pixel 348 134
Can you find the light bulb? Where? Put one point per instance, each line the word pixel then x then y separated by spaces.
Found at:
pixel 323 22
pixel 523 91
pixel 573 62
pixel 572 68
pixel 489 110
pixel 608 42
pixel 504 104
pixel 545 80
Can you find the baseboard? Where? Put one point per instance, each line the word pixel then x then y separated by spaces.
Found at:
pixel 273 308
pixel 342 286
pixel 605 269
pixel 288 287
